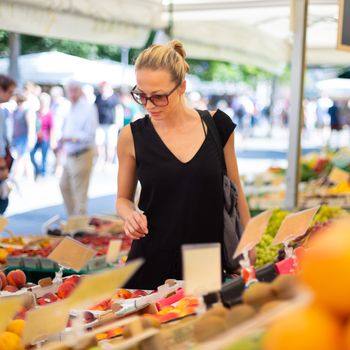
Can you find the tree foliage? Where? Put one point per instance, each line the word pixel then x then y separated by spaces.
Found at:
pixel 204 69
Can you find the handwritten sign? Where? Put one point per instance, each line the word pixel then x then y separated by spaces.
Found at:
pixel 201 268
pixel 9 306
pixel 113 250
pixel 253 232
pixel 76 223
pixel 294 225
pixel 338 176
pixel 71 253
pixel 94 288
pixel 45 321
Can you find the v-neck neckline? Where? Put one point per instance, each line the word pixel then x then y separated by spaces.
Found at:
pixel 168 149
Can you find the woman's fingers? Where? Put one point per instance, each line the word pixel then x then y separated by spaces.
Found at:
pixel 136 225
pixel 142 221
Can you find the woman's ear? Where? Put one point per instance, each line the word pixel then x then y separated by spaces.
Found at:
pixel 182 88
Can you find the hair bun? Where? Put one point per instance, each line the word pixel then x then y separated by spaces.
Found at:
pixel 178 47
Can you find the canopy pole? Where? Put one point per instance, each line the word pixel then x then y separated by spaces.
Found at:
pixel 296 110
pixel 15 50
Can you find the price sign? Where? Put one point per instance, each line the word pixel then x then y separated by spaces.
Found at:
pixel 294 225
pixel 99 286
pixel 71 253
pixel 113 250
pixel 45 321
pixel 201 268
pixel 253 232
pixel 9 306
pixel 338 176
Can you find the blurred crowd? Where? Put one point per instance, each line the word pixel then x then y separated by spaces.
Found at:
pixel 63 131
pixel 68 130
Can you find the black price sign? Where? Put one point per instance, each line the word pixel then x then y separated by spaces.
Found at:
pixel 344 25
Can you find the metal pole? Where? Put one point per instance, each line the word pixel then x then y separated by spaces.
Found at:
pixel 296 110
pixel 125 63
pixel 15 50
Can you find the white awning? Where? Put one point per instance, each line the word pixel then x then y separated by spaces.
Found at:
pixel 118 22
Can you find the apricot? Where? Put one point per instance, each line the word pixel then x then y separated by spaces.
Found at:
pixel 16 326
pixel 17 278
pixel 10 341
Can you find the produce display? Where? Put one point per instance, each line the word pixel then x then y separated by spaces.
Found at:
pixel 269 315
pixel 267 253
pixel 267 190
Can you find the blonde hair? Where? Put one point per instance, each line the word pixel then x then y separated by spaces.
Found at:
pixel 170 57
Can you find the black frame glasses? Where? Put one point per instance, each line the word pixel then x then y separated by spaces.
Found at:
pixel 159 100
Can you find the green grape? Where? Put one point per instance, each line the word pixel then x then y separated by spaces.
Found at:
pixel 265 252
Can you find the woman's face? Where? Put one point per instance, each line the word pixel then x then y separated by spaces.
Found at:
pixel 156 83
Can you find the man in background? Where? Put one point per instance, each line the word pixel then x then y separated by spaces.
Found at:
pixel 106 102
pixel 78 143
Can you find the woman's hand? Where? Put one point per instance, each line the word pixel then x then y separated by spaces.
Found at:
pixel 135 225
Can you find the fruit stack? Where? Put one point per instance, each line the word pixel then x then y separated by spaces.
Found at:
pixel 325 324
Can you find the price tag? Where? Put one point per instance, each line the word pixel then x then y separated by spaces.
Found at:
pixel 45 321
pixel 201 268
pixel 294 225
pixel 77 222
pixel 113 250
pixel 253 232
pixel 99 286
pixel 338 176
pixel 3 223
pixel 72 254
pixel 9 306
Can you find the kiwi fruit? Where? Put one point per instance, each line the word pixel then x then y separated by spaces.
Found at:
pixel 218 310
pixel 150 322
pixel 208 327
pixel 284 286
pixel 239 314
pixel 258 294
pixel 270 305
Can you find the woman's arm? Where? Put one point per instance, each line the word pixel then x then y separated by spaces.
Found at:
pixel 232 171
pixel 135 222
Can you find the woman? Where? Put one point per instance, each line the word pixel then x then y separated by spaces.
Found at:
pixel 175 158
pixel 44 134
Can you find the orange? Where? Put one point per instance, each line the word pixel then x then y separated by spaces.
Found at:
pixel 347 336
pixel 304 329
pixel 16 326
pixel 325 267
pixel 10 341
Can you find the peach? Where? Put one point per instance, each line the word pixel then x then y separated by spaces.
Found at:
pixel 3 280
pixel 65 289
pixel 10 289
pixel 17 278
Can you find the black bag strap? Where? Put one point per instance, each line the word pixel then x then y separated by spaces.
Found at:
pixel 209 121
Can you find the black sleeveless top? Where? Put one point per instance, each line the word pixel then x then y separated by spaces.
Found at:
pixel 183 202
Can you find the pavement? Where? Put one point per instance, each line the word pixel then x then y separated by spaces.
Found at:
pixel 34 202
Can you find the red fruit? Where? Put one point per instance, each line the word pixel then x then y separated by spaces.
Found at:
pixel 3 280
pixel 72 279
pixel 17 278
pixel 48 298
pixel 138 293
pixel 10 289
pixel 65 289
pixel 122 294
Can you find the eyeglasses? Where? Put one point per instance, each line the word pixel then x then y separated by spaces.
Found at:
pixel 159 100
